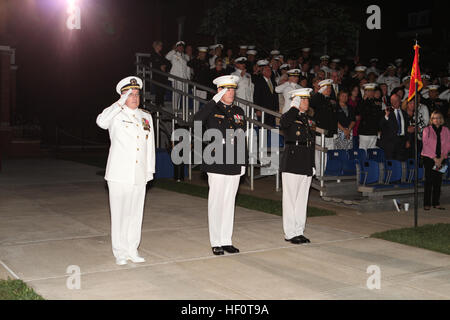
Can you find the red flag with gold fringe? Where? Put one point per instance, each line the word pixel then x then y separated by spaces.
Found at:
pixel 415 75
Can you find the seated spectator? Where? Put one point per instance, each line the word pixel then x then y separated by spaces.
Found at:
pixel 436 146
pixel 346 122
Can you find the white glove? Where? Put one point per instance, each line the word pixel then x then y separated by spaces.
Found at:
pixel 314 171
pixel 123 98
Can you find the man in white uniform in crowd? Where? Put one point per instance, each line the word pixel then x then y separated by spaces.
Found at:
pixel 245 88
pixel 389 77
pixel 288 86
pixel 179 68
pixel 216 53
pixel 131 164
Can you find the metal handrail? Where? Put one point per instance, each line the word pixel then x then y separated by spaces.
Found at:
pixel 204 88
pixel 146 72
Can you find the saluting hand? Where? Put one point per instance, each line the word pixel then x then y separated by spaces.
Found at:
pixel 124 97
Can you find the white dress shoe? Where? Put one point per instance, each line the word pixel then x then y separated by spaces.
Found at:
pixel 136 259
pixel 121 261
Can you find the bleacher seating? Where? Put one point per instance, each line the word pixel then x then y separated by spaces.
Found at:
pixel 410 168
pixel 358 154
pixel 164 165
pixel 376 154
pixel 340 163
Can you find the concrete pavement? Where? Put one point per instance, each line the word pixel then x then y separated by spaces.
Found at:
pixel 54 214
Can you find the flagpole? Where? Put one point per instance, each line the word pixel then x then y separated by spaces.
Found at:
pixel 416 171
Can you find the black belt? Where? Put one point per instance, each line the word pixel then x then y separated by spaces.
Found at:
pixel 298 143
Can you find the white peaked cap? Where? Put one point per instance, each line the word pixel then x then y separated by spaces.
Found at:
pixel 302 93
pixel 131 82
pixel 326 82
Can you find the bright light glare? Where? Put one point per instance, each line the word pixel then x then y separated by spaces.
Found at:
pixel 74 12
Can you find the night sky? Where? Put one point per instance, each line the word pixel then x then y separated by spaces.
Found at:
pixel 67 77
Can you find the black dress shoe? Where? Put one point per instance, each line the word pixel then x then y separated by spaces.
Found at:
pixel 303 239
pixel 230 249
pixel 439 207
pixel 294 240
pixel 218 251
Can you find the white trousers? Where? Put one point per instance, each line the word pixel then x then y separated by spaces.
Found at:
pixel 177 97
pixel 367 142
pixel 295 202
pixel 127 208
pixel 221 200
pixel 329 144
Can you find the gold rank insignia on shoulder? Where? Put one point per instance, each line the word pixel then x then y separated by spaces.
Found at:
pixel 144 110
pixel 221 116
pixel 145 124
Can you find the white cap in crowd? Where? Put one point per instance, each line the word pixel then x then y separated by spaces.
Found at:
pixel 302 93
pixel 240 60
pixel 262 63
pixel 294 72
pixel 360 68
pixel 370 86
pixel 433 87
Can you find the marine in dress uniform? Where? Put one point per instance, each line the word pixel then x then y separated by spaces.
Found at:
pixel 223 178
pixel 251 60
pixel 370 111
pixel 325 115
pixel 131 164
pixel 200 66
pixel 434 103
pixel 297 165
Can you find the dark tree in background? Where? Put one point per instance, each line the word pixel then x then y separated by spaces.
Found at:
pixel 287 25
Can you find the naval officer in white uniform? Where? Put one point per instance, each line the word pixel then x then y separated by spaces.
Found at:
pixel 131 164
pixel 288 86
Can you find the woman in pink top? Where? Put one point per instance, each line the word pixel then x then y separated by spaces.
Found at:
pixel 436 146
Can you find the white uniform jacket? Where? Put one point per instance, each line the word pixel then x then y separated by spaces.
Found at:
pixel 131 157
pixel 179 64
pixel 284 89
pixel 245 86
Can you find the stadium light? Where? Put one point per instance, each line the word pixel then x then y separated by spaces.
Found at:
pixel 74 20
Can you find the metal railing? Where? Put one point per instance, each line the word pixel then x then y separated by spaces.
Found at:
pixel 181 113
